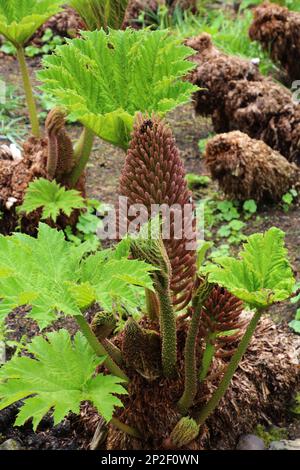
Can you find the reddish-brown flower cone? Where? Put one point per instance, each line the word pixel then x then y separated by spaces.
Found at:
pixel 222 313
pixel 154 174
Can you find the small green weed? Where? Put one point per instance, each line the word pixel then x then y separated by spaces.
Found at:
pixel 295 324
pixel 49 42
pixel 288 199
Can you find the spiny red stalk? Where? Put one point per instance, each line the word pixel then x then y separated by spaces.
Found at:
pixel 154 174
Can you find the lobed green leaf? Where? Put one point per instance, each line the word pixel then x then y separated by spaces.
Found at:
pixel 19 19
pixel 262 275
pixel 103 80
pixel 53 198
pixel 60 376
pixel 54 276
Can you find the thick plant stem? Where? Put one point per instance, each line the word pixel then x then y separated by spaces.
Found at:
pixel 113 351
pixel 126 428
pixel 191 382
pixel 154 252
pixel 232 367
pixel 79 145
pixel 168 333
pixel 82 154
pixel 33 116
pixel 152 305
pixel 99 348
pixel 207 358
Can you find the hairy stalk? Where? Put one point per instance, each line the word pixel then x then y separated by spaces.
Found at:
pixel 78 146
pixel 232 367
pixel 113 351
pixel 168 332
pixel 152 305
pixel 190 382
pixel 207 358
pixel 126 428
pixel 102 326
pixel 99 348
pixel 33 116
pixel 154 252
pixel 82 153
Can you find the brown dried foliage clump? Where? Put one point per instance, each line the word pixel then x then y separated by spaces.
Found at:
pixel 246 168
pixel 66 23
pixel 214 73
pixel 16 175
pixel 264 382
pixel 278 31
pixel 238 97
pixel 154 174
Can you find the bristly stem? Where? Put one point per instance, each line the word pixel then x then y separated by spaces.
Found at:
pixel 232 367
pixel 152 305
pixel 191 379
pixel 82 154
pixel 207 358
pixel 113 351
pixel 33 116
pixel 168 333
pixel 99 348
pixel 154 252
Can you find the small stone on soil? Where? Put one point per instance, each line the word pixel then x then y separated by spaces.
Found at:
pixel 250 442
pixel 285 445
pixel 11 444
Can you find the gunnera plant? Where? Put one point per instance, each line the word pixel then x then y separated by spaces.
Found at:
pixel 246 168
pixel 155 366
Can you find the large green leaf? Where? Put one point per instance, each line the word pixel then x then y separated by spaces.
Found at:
pixel 99 14
pixel 53 275
pixel 53 198
pixel 60 377
pixel 262 275
pixel 103 80
pixel 19 19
